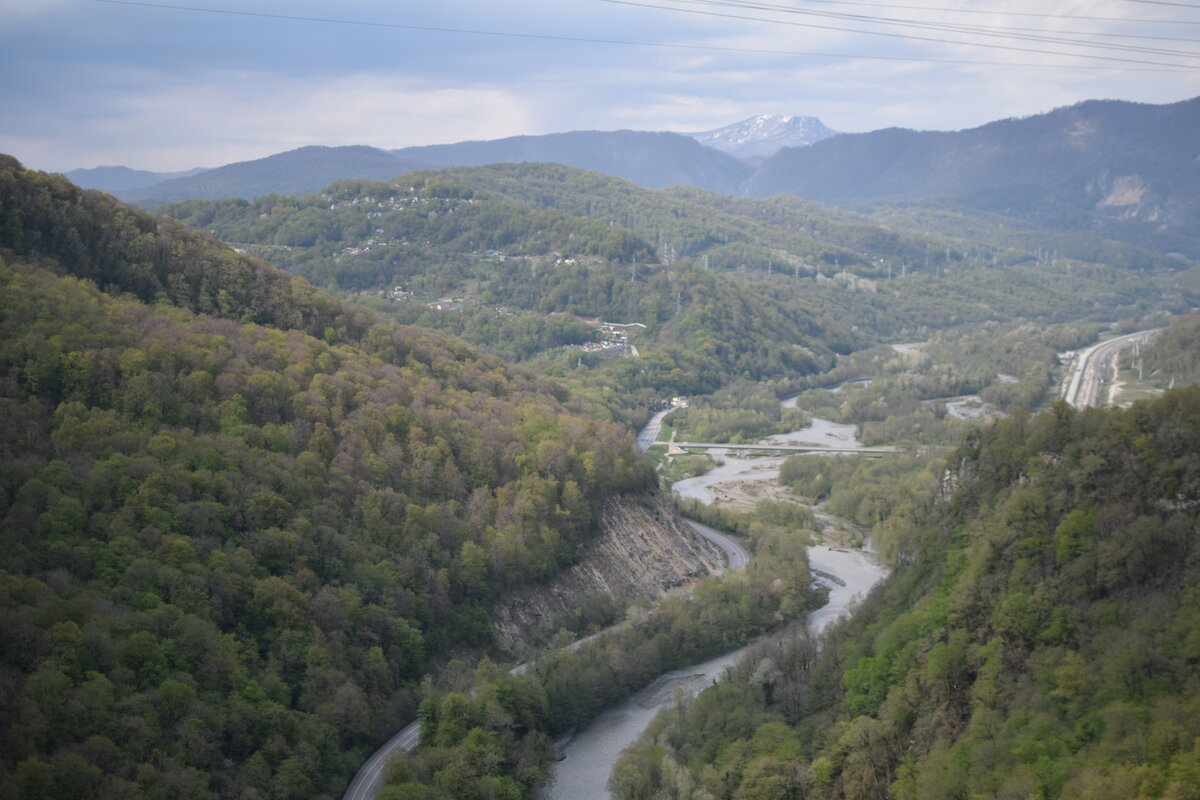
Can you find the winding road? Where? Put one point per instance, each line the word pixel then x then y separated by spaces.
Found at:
pixel 736 556
pixel 370 778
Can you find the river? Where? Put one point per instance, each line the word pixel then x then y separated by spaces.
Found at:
pixel 589 756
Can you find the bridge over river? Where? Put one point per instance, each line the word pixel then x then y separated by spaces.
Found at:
pixel 782 448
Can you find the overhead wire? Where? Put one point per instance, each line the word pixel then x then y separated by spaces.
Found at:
pixel 1164 3
pixel 1004 13
pixel 911 37
pixel 1004 32
pixel 1145 66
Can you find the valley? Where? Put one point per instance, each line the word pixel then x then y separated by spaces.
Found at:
pixel 253 527
pixel 691 400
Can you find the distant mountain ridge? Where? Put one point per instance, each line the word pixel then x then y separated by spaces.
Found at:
pixel 300 171
pixel 765 135
pixel 1126 171
pixel 651 160
pixel 120 179
pixel 1129 171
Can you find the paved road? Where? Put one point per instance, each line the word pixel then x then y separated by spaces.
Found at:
pixel 1087 386
pixel 735 555
pixel 369 779
pixel 649 434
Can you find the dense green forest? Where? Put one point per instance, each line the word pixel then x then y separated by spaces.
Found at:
pixel 1038 638
pixel 521 259
pixel 1173 357
pixel 244 518
pixel 486 733
pixel 240 518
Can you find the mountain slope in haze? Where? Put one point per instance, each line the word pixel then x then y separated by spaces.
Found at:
pixel 122 179
pixel 648 159
pixel 765 135
pixel 238 518
pixel 299 171
pixel 1123 170
pixel 652 160
pixel 788 234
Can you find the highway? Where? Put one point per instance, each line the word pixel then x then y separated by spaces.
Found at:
pixel 1088 384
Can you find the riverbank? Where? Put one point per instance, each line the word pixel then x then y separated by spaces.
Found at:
pixel 847 574
pixel 588 757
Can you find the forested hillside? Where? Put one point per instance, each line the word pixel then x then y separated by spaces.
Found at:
pixel 241 519
pixel 299 171
pixel 1173 357
pixel 790 234
pixel 1125 171
pixel 1038 638
pixel 521 259
pixel 433 236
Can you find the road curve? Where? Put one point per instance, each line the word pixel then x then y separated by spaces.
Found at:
pixel 368 780
pixel 735 555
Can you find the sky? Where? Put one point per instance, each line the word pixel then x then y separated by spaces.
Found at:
pixel 200 83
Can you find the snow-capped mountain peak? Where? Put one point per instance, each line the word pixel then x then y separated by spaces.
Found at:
pixel 764 135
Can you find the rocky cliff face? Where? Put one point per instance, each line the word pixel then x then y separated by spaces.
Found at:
pixel 645 550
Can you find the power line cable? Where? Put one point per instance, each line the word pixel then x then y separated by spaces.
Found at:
pixel 972 30
pixel 1164 3
pixel 1003 13
pixel 625 42
pixel 909 37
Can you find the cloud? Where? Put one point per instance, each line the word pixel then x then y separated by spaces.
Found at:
pixel 17 14
pixel 228 117
pixel 95 83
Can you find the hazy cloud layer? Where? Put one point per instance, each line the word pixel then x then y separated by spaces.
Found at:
pixel 92 83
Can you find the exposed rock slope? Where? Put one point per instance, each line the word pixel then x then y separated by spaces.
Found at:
pixel 645 550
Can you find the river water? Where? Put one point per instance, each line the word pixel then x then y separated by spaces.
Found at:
pixel 589 756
